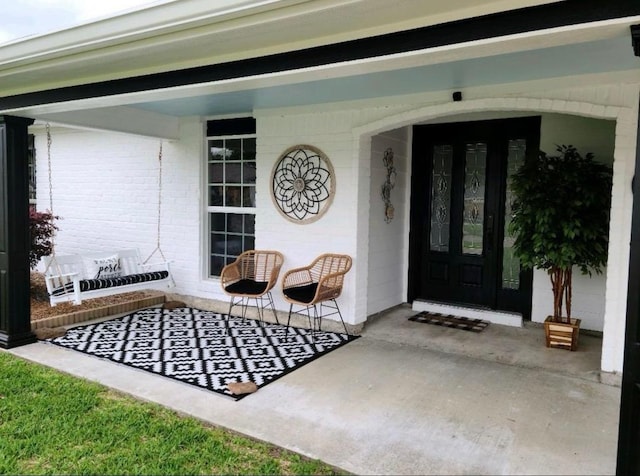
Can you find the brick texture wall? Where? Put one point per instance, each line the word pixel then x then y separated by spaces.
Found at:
pixel 105 189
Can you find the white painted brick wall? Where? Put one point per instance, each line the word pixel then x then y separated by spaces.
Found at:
pixel 335 231
pixel 619 237
pixel 102 188
pixel 388 242
pixel 106 191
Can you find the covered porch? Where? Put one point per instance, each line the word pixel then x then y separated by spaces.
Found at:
pixel 305 75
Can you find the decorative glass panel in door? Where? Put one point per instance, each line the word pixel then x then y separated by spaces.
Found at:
pixel 511 264
pixel 474 183
pixel 441 197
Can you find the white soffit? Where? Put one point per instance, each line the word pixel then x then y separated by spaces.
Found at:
pixel 533 42
pixel 186 33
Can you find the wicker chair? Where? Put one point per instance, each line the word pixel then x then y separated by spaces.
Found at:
pixel 317 287
pixel 252 276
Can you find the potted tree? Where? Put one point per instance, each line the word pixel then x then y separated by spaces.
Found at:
pixel 561 221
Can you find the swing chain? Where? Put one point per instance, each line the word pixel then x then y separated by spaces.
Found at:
pixel 48 128
pixel 53 260
pixel 158 248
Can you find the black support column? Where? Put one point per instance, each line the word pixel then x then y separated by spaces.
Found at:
pixel 15 309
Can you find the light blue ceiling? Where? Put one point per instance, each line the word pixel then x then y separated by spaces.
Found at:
pixel 584 58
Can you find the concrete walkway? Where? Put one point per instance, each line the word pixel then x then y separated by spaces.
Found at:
pixel 384 404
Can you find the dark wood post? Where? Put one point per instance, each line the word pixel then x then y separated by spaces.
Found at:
pixel 15 309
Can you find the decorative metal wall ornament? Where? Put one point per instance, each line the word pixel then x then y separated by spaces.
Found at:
pixel 388 185
pixel 303 183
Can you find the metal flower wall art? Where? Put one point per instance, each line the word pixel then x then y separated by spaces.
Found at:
pixel 302 183
pixel 388 185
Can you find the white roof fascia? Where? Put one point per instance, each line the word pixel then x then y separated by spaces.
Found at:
pixel 146 22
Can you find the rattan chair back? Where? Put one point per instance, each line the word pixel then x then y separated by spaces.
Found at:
pixel 255 265
pixel 327 271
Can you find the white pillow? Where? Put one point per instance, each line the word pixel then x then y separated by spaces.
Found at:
pixel 103 267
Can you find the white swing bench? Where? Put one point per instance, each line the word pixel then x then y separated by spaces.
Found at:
pixel 72 278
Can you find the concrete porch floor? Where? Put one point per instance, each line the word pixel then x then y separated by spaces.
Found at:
pixel 524 346
pixel 411 398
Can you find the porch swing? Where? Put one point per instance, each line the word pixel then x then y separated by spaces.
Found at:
pixel 74 277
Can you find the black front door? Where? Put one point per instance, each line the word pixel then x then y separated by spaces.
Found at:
pixel 461 250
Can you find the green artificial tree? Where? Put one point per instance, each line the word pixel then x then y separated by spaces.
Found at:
pixel 561 219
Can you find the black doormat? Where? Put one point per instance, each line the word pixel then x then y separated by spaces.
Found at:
pixel 447 320
pixel 202 348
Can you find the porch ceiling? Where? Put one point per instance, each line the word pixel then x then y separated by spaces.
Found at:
pixel 589 48
pixel 608 55
pixel 156 113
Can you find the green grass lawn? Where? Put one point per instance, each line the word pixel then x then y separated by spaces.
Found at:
pixel 52 423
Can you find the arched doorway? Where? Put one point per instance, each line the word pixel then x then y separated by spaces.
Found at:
pixel 461 251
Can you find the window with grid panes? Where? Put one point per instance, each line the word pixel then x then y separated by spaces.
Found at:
pixel 231 192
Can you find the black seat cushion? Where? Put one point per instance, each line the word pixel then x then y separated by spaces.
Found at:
pixel 247 287
pixel 304 294
pixel 93 284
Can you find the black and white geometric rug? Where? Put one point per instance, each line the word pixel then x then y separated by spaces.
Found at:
pixel 202 348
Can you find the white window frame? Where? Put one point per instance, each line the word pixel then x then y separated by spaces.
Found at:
pixel 209 210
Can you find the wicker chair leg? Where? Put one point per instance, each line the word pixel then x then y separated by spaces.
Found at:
pixel 245 304
pixel 230 306
pixel 312 325
pixel 259 311
pixel 273 307
pixel 289 320
pixel 318 317
pixel 341 319
pixel 235 301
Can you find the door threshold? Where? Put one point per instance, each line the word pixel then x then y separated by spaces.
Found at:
pixel 512 319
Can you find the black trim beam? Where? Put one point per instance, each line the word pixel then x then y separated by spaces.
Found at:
pixel 569 12
pixel 635 39
pixel 15 307
pixel 228 127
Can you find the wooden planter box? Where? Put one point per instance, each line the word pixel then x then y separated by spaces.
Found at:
pixel 562 335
